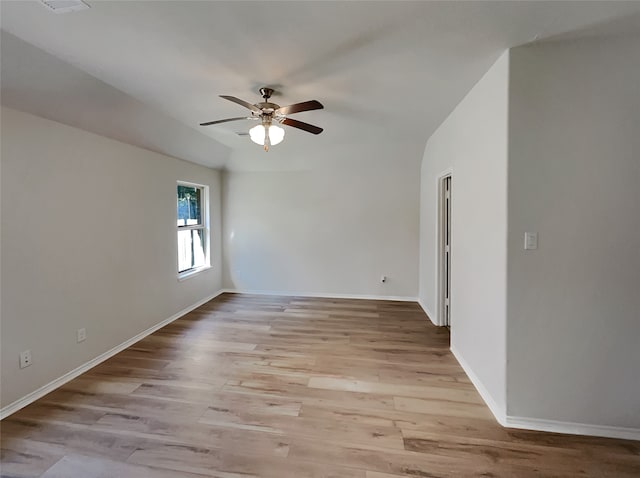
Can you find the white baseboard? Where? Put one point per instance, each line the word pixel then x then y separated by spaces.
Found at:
pixel 432 317
pixel 498 412
pixel 506 421
pixel 58 382
pixel 538 424
pixel 572 428
pixel 322 295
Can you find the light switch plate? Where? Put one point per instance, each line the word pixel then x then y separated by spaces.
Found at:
pixel 530 241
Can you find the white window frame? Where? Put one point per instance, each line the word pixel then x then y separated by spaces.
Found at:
pixel 205 227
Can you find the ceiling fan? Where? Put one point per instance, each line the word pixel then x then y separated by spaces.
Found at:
pixel 267 133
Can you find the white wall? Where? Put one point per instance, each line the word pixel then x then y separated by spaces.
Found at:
pixel 574 177
pixel 332 227
pixel 472 141
pixel 88 240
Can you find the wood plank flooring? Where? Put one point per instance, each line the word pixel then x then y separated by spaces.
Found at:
pixel 278 387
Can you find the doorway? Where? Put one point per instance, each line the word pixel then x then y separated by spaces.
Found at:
pixel 444 250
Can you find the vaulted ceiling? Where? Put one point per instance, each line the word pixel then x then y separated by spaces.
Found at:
pixel 149 72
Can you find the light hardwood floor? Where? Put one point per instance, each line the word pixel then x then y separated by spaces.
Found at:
pixel 284 387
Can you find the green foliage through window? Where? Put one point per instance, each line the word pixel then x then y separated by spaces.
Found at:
pixel 189 205
pixel 192 232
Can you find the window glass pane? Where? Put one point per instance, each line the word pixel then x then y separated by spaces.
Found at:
pixel 191 253
pixel 189 205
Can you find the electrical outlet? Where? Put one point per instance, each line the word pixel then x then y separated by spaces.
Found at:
pixel 25 358
pixel 81 334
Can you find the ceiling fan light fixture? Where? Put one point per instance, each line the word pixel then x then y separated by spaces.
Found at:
pixel 267 134
pixel 258 134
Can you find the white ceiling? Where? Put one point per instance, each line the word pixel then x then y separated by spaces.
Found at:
pixel 148 72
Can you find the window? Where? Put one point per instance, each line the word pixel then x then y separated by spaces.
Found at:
pixel 193 228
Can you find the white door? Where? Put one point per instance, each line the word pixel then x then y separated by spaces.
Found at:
pixel 445 252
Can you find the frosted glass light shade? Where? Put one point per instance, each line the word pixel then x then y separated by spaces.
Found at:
pixel 257 134
pixel 276 134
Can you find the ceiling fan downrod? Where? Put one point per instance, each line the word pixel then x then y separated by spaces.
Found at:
pixel 266 93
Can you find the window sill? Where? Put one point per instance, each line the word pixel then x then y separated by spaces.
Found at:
pixel 192 273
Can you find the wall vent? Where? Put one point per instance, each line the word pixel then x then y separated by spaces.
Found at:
pixel 65 6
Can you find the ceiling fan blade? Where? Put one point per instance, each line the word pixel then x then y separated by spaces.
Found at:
pixel 223 121
pixel 242 103
pixel 301 125
pixel 299 107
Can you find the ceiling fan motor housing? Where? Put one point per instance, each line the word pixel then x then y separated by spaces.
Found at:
pixel 267 108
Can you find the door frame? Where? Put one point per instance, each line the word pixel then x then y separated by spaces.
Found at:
pixel 440 319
